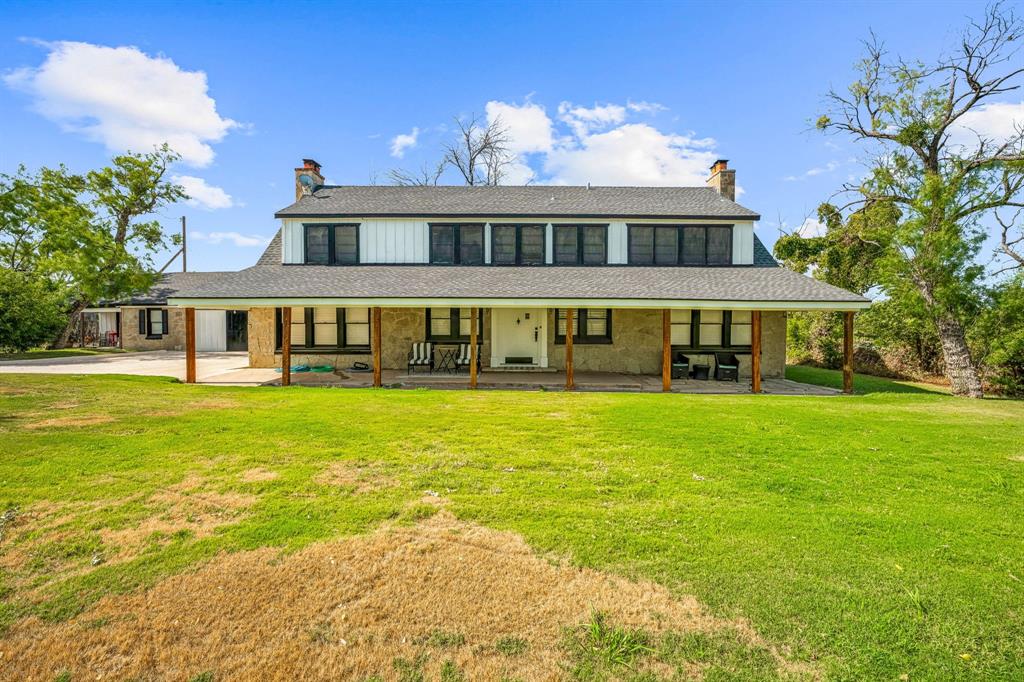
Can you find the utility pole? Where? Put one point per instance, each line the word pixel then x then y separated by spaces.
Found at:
pixel 184 262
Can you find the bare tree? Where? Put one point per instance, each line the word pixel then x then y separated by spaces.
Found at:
pixel 480 153
pixel 426 176
pixel 1011 244
pixel 942 185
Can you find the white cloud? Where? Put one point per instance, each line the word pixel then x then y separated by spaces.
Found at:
pixel 125 99
pixel 236 238
pixel 811 172
pixel 599 145
pixel 632 154
pixel 403 141
pixel 584 120
pixel 997 121
pixel 811 227
pixel 528 125
pixel 203 195
pixel 646 107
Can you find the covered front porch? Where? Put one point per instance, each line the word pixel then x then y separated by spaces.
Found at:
pixel 725 347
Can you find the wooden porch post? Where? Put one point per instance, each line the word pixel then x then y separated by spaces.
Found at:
pixel 190 345
pixel 570 377
pixel 755 351
pixel 473 353
pixel 286 346
pixel 376 348
pixel 666 350
pixel 848 352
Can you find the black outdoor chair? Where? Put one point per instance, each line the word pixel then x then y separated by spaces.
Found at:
pixel 422 355
pixel 727 367
pixel 680 367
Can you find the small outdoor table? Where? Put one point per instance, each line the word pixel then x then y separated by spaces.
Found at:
pixel 701 372
pixel 446 363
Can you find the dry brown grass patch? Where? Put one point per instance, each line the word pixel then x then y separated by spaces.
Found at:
pixel 258 474
pixel 361 478
pixel 346 610
pixel 91 420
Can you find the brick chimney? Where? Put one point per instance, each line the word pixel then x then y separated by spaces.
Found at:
pixel 307 178
pixel 723 180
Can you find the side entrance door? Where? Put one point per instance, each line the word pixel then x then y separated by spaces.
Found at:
pixel 238 330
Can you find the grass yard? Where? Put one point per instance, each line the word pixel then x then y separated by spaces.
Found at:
pixel 48 354
pixel 598 536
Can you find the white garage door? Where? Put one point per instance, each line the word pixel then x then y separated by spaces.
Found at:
pixel 211 330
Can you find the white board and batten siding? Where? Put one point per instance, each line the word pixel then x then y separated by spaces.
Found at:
pixel 408 240
pixel 211 330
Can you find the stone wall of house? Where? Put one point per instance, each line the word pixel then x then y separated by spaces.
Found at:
pixel 173 339
pixel 636 346
pixel 399 327
pixel 261 337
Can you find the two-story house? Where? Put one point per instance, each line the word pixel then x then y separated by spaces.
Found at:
pixel 612 279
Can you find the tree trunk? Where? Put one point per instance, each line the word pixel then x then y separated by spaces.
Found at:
pixel 74 319
pixel 960 369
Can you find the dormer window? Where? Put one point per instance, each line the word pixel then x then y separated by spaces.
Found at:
pixel 680 245
pixel 517 244
pixel 332 244
pixel 581 244
pixel 456 244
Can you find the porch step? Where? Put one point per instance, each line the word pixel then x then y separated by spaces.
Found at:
pixel 523 368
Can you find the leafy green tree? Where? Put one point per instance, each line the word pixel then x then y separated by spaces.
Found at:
pixel 943 179
pixel 31 310
pixel 102 246
pixel 998 336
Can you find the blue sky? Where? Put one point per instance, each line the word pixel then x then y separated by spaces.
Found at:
pixel 613 93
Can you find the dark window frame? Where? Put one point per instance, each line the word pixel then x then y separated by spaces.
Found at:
pixel 331 237
pixel 454 336
pixel 456 242
pixel 680 241
pixel 555 227
pixel 518 260
pixel 164 323
pixel 342 346
pixel 579 323
pixel 726 345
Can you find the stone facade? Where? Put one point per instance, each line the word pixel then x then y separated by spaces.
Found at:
pixel 635 347
pixel 172 339
pixel 261 335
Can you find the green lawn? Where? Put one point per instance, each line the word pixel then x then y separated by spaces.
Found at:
pixel 45 354
pixel 874 536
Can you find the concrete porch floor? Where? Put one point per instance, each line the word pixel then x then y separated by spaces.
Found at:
pixel 552 381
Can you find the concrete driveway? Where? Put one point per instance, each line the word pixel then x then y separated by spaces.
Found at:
pixel 211 367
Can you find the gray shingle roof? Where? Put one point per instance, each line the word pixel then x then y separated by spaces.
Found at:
pixel 610 282
pixel 171 283
pixel 514 201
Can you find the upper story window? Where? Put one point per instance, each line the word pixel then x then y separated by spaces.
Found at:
pixel 581 244
pixel 457 244
pixel 517 244
pixel 680 245
pixel 332 244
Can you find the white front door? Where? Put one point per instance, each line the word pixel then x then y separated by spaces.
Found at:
pixel 519 337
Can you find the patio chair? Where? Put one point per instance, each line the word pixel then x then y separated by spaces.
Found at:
pixel 727 367
pixel 680 366
pixel 421 355
pixel 463 357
